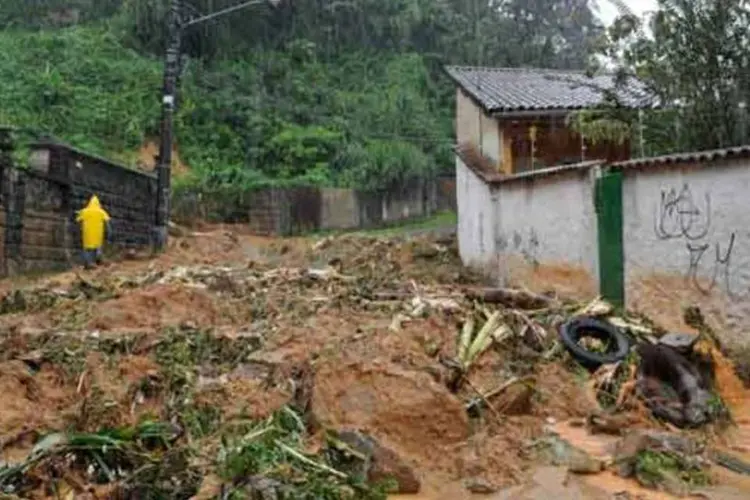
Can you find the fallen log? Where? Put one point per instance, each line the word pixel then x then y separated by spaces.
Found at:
pixel 514 298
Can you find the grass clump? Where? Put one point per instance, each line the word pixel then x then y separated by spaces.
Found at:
pixel 662 469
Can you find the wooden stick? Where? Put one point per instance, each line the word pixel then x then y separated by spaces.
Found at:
pixel 514 298
pixel 509 383
pixel 308 461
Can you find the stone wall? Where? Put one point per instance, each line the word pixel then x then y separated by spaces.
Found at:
pixel 297 210
pixel 39 204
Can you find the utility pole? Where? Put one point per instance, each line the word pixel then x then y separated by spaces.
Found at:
pixel 172 67
pixel 168 100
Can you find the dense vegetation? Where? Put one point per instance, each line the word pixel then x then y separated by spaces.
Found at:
pixel 346 93
pixel 350 92
pixel 692 54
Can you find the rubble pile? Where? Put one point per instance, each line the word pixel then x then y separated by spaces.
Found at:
pixel 350 367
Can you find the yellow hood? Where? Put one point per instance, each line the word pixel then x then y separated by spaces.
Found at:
pixel 94 203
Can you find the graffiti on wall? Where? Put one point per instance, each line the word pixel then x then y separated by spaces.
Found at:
pixel 527 245
pixel 524 243
pixel 682 216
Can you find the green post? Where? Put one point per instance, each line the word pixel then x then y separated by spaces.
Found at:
pixel 609 224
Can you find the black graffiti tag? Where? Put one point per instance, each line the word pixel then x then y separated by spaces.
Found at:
pixel 721 265
pixel 528 247
pixel 680 217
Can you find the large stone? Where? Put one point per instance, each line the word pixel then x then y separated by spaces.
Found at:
pixel 479 486
pixel 372 461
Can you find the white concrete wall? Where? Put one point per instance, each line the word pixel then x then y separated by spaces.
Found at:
pixel 467 119
pixel 477 128
pixel 476 218
pixel 686 236
pixel 490 138
pixel 548 220
pixel 686 233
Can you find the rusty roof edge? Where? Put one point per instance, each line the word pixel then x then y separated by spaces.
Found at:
pixel 496 178
pixel 692 157
pixel 550 171
pixel 482 171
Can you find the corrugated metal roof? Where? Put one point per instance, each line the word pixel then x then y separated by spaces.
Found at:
pixel 525 89
pixel 699 156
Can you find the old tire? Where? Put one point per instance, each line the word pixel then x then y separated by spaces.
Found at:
pixel 572 331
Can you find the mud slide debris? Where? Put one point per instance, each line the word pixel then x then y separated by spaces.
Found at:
pixel 348 367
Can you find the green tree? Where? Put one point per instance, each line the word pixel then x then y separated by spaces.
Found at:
pixel 693 58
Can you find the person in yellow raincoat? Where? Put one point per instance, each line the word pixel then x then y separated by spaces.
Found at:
pixel 94 221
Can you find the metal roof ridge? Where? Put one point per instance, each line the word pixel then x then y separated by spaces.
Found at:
pixel 520 69
pixel 530 70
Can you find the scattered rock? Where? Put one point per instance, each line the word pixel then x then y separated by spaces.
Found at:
pixel 479 486
pixel 682 342
pixel 188 325
pixel 613 424
pixel 515 400
pixel 372 461
pixel 561 453
pixel 263 488
pixel 637 441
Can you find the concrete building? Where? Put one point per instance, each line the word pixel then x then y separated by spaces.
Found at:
pixel 655 234
pixel 516 118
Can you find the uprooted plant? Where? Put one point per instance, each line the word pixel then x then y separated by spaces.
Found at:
pixel 266 457
pixel 147 454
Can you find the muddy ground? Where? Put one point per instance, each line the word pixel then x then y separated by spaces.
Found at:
pixel 232 360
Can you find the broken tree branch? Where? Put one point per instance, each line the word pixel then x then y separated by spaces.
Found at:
pixel 513 298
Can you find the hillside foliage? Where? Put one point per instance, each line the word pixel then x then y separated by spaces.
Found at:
pixel 351 92
pixel 347 93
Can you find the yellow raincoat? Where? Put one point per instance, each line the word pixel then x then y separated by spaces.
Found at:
pixel 93 220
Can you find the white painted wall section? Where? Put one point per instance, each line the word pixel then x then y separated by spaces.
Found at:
pixel 476 217
pixel 692 224
pixel 549 219
pixel 477 128
pixel 490 138
pixel 680 220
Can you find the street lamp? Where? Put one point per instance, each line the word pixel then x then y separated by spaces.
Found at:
pixel 169 95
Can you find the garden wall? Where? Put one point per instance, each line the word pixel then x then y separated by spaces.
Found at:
pixel 296 210
pixel 39 204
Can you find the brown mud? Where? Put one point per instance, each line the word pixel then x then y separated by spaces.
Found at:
pixel 366 375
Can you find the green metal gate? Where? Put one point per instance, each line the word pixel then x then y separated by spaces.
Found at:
pixel 608 201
